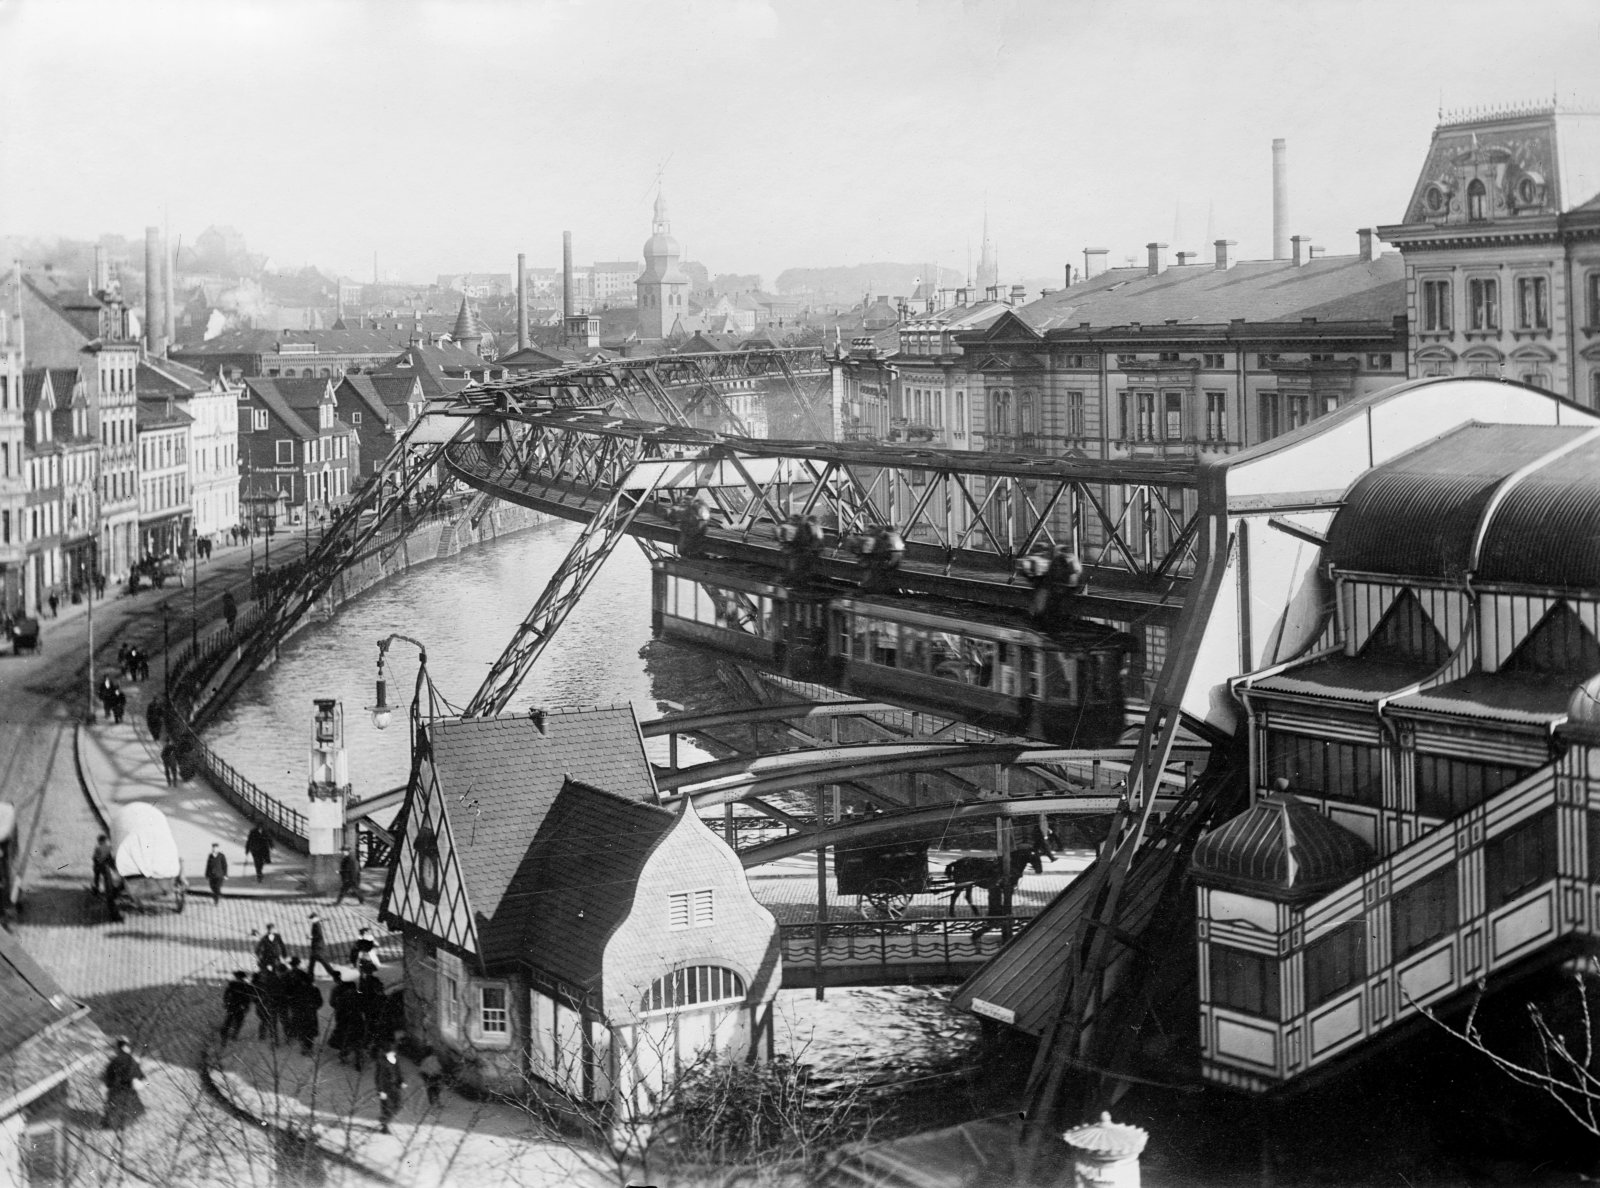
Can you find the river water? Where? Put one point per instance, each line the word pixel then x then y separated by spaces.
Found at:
pixel 465 609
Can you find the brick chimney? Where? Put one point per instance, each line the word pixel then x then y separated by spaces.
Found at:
pixel 1094 262
pixel 1185 257
pixel 1294 249
pixel 1364 235
pixel 1019 295
pixel 1224 260
pixel 1158 258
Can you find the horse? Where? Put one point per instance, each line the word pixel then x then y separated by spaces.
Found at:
pixel 966 873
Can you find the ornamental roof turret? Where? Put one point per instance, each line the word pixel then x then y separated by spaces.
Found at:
pixel 1280 848
pixel 467 334
pixel 661 250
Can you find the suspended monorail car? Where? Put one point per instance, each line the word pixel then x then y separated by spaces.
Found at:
pixel 989 667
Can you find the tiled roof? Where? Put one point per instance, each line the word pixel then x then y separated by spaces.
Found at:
pixel 30 1000
pixel 1328 288
pixel 366 391
pixel 33 389
pixel 466 324
pixel 158 414
pixel 575 883
pixel 498 778
pixel 267 390
pixel 303 395
pixel 165 378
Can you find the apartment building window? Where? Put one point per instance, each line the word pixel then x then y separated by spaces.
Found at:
pixel 1000 413
pixel 1319 767
pixel 1245 982
pixel 494 1012
pixel 1436 306
pixel 1167 356
pixel 1423 912
pixel 1520 859
pixel 1383 362
pixel 1146 405
pixel 355 418
pixel 1594 389
pixel 1591 300
pixel 1447 787
pixel 1533 303
pixel 285 454
pixel 1537 379
pixel 1075 417
pixel 1270 426
pixel 1298 406
pixel 1483 301
pixel 1335 962
pixel 1214 362
pixel 1174 415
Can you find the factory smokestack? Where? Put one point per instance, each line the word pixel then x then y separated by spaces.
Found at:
pixel 154 320
pixel 1280 200
pixel 522 302
pixel 169 307
pixel 566 275
pixel 102 273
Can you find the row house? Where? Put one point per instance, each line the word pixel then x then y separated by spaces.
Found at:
pixel 929 382
pixel 1426 781
pixel 62 461
pixel 379 408
pixel 165 513
pixel 13 488
pixel 293 444
pixel 1501 241
pixel 211 403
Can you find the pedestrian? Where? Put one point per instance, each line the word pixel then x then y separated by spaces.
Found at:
pixel 230 608
pixel 141 660
pixel 364 952
pixel 154 718
pixel 374 1011
pixel 390 1086
pixel 344 1038
pixel 304 1002
pixel 237 996
pixel 318 940
pixel 216 863
pixel 99 584
pixel 115 884
pixel 122 659
pixel 270 949
pixel 349 878
pixel 99 863
pixel 55 604
pixel 259 846
pixel 119 705
pixel 124 1078
pixel 432 1075
pixel 169 762
pixel 267 987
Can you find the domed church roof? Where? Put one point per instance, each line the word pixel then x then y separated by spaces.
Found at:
pixel 661 250
pixel 1280 848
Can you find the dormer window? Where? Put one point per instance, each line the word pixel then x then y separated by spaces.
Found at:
pixel 1477 201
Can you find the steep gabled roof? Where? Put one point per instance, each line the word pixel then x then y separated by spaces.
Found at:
pixel 575 883
pixel 159 413
pixel 267 391
pixel 497 779
pixel 365 390
pixel 44 1035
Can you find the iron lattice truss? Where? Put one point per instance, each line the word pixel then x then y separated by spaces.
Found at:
pixel 691 391
pixel 962 514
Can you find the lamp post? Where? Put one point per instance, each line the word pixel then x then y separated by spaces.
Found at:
pixel 328 793
pixel 194 593
pixel 166 653
pixel 94 568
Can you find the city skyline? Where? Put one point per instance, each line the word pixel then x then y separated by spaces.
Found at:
pixel 784 135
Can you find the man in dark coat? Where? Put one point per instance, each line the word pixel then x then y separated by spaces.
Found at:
pixel 303 1001
pixel 124 1078
pixel 374 1012
pixel 99 862
pixel 169 763
pixel 237 996
pixel 259 846
pixel 155 716
pixel 390 1086
pixel 269 1001
pixel 342 998
pixel 216 871
pixel 270 949
pixel 318 941
pixel 349 878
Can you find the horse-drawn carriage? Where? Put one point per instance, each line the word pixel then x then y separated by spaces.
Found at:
pixel 886 874
pixel 23 633
pixel 145 871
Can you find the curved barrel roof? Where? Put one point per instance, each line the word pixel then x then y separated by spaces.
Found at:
pixel 1420 514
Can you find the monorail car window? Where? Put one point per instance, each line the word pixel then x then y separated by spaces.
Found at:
pixel 1008 655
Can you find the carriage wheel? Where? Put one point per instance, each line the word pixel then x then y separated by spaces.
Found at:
pixel 888 898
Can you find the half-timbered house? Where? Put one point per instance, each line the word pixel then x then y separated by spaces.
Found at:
pixel 559 925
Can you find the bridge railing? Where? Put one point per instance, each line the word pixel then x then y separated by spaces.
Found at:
pixel 941 941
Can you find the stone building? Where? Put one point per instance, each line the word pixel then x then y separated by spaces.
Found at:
pixel 663 287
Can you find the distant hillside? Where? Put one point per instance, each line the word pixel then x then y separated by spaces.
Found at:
pixel 890 280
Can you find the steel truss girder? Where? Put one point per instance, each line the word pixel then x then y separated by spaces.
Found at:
pixel 946 514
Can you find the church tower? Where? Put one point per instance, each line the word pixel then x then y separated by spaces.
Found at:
pixel 988 265
pixel 663 287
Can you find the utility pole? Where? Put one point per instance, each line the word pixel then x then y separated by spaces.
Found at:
pixel 166 654
pixel 194 595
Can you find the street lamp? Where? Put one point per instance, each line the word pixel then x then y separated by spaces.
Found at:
pixel 382 711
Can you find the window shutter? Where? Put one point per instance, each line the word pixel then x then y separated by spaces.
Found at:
pixel 678 910
pixel 703 908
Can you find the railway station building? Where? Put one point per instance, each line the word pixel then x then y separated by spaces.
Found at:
pixel 563 932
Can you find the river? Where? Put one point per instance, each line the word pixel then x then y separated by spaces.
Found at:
pixel 465 609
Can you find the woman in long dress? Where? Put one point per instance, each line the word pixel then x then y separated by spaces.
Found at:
pixel 124 1078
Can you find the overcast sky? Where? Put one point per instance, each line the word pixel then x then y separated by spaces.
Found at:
pixel 449 136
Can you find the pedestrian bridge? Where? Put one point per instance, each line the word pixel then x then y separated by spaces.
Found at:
pixel 909 952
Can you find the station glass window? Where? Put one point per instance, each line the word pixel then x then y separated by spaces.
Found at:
pixel 1245 982
pixel 1423 912
pixel 1533 303
pixel 1447 786
pixel 1520 859
pixel 1320 767
pixel 1335 962
pixel 1483 303
pixel 1436 305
